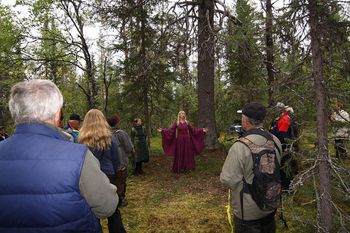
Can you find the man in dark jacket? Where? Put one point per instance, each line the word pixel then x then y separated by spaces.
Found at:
pixel 47 183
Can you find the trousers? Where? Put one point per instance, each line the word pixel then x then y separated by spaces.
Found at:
pixel 263 225
pixel 115 223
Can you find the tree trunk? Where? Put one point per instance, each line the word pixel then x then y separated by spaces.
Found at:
pixel 325 221
pixel 206 103
pixel 106 83
pixel 144 76
pixel 270 60
pixel 78 22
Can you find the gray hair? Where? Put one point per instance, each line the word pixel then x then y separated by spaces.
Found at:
pixel 35 100
pixel 255 122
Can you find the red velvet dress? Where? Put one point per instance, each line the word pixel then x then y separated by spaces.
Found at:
pixel 183 142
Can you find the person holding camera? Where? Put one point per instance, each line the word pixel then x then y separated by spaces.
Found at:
pixel 240 169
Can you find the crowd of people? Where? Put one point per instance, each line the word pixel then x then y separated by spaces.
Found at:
pixel 66 178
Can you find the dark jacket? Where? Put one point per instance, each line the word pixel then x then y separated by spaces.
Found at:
pixel 139 139
pixel 39 183
pixel 109 159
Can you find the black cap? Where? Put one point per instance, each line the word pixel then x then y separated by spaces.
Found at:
pixel 74 117
pixel 2 127
pixel 254 111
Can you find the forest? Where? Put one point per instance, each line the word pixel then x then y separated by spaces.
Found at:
pixel 153 58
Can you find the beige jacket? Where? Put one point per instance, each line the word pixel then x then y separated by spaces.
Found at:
pixel 342 132
pixel 239 163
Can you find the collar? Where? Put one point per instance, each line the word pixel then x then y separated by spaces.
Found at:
pixel 40 129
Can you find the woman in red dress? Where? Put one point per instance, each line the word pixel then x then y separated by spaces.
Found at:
pixel 183 142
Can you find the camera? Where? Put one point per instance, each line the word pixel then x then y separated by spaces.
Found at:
pixel 236 128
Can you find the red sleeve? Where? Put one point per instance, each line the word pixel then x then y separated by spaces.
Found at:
pixel 197 137
pixel 169 140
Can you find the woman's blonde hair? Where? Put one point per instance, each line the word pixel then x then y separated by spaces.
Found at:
pixel 95 131
pixel 178 117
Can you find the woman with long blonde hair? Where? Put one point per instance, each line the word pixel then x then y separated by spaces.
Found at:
pixel 97 135
pixel 183 142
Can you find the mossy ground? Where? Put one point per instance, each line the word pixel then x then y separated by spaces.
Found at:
pixel 195 202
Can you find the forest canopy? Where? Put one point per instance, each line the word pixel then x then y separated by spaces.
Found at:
pixel 207 57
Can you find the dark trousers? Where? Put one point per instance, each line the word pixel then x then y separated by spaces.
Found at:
pixel 340 150
pixel 263 225
pixel 121 183
pixel 115 223
pixel 138 168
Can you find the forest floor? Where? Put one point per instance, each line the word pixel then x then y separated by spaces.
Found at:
pixel 195 202
pixel 161 201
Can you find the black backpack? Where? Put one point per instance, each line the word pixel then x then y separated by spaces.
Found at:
pixel 266 188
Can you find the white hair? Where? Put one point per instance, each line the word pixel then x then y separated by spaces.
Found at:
pixel 35 100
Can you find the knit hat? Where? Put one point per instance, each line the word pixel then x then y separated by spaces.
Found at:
pixel 254 111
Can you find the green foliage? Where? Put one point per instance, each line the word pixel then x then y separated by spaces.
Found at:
pixel 244 58
pixel 149 72
pixel 11 66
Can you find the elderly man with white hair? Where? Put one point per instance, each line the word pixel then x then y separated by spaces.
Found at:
pixel 48 184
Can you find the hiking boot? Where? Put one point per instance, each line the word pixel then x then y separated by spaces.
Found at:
pixel 141 172
pixel 135 173
pixel 123 203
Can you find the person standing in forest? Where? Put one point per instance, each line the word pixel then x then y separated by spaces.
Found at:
pixel 97 135
pixel 139 139
pixel 73 125
pixel 341 121
pixel 48 184
pixel 183 142
pixel 126 148
pixel 239 169
pixel 281 127
pixel 61 126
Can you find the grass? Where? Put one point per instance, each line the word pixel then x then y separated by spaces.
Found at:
pixel 195 202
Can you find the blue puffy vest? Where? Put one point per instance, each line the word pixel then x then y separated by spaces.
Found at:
pixel 39 183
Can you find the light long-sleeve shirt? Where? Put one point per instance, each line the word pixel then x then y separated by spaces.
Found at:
pixel 95 187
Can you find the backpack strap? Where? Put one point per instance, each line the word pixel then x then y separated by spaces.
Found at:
pixel 259 131
pixel 263 133
pixel 339 114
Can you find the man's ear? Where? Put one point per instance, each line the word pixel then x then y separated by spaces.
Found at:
pixel 57 119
